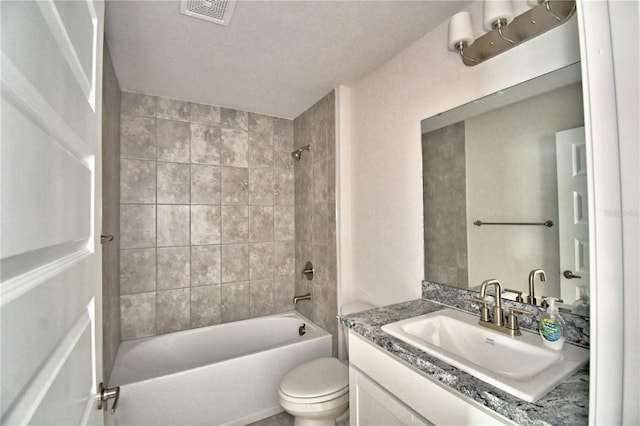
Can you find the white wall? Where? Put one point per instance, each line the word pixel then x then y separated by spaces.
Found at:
pixel 382 263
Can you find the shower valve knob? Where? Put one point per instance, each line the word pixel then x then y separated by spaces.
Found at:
pixel 308 270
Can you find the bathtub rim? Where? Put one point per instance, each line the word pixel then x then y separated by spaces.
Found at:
pixel 316 333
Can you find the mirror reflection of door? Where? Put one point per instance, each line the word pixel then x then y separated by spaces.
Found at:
pixel 573 226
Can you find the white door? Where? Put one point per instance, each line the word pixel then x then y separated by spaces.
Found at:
pixel 573 214
pixel 50 288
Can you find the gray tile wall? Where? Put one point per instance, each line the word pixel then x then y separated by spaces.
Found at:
pixel 445 205
pixel 207 215
pixel 110 214
pixel 315 214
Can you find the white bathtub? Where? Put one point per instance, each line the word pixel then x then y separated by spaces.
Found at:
pixel 223 374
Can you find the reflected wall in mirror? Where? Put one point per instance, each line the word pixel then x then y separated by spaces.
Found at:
pixel 512 157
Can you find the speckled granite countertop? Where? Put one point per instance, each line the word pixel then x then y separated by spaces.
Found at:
pixel 567 404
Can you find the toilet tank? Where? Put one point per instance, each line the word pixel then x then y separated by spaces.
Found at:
pixel 353 307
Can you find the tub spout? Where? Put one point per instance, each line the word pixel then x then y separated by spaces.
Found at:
pixel 296 299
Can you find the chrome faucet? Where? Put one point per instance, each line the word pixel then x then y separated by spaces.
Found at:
pixel 531 298
pixel 498 316
pixel 498 324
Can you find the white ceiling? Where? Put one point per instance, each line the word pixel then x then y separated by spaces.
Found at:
pixel 275 58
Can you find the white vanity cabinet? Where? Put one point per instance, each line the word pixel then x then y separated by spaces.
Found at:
pixel 370 404
pixel 385 391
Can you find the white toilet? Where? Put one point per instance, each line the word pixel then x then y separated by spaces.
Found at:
pixel 316 393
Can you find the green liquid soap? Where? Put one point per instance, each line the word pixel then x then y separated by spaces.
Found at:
pixel 552 327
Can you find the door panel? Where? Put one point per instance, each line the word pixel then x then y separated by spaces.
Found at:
pixel 64 188
pixel 74 26
pixel 50 287
pixel 573 213
pixel 72 378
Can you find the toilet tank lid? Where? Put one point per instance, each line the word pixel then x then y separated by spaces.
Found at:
pixel 353 307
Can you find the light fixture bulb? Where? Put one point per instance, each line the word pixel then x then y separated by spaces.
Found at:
pixel 497 11
pixel 460 31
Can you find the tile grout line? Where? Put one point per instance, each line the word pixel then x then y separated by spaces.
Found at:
pixel 189 298
pixel 156 207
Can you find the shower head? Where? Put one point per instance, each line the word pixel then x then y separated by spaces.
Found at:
pixel 298 152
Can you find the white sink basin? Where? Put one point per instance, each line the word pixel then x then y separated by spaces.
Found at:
pixel 519 365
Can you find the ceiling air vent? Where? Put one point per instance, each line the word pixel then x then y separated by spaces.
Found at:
pixel 218 11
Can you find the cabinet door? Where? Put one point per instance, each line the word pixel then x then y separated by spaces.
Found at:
pixel 371 405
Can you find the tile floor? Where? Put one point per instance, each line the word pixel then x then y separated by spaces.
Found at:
pixel 281 419
pixel 285 419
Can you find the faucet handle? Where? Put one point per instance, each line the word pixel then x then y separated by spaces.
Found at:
pixel 484 309
pixel 520 311
pixel 518 294
pixel 512 319
pixel 545 304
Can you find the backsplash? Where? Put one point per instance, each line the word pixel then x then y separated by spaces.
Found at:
pixel 207 215
pixel 576 330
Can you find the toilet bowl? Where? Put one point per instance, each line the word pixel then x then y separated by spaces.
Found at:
pixel 316 393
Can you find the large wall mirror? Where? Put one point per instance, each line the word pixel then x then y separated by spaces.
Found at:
pixel 505 191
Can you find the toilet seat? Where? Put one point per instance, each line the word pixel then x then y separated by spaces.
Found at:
pixel 317 381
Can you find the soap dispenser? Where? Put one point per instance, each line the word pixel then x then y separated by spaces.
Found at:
pixel 552 326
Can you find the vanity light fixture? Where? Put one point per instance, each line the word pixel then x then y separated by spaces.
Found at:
pixel 504 29
pixel 497 15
